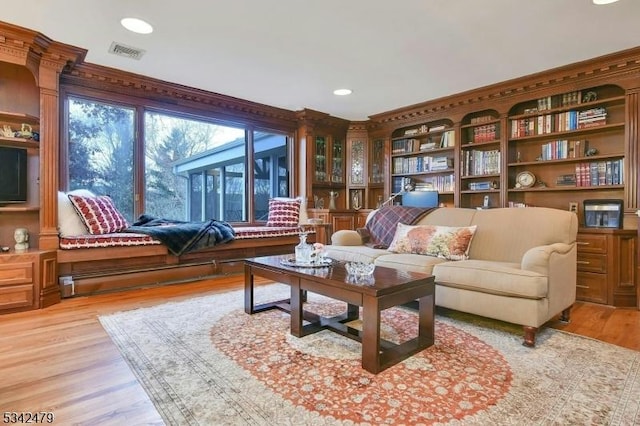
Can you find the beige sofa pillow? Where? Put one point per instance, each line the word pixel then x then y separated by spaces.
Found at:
pixel 69 222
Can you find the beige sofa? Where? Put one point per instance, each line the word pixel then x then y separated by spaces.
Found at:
pixel 521 265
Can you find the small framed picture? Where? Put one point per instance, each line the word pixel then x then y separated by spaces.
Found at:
pixel 603 213
pixel 573 207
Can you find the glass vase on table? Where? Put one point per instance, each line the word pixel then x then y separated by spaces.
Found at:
pixel 303 250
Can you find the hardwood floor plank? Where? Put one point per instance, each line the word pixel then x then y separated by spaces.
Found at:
pixel 60 359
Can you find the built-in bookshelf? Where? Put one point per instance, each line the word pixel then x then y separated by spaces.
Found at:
pixel 480 159
pixel 423 157
pixel 571 142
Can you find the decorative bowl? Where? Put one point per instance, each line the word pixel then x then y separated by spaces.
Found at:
pixel 360 269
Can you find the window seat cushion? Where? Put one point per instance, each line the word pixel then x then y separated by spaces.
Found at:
pixel 118 239
pixel 127 239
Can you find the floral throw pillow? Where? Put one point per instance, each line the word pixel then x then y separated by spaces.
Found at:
pixel 99 214
pixel 447 242
pixel 284 212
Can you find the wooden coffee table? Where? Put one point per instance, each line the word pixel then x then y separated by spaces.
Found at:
pixel 391 287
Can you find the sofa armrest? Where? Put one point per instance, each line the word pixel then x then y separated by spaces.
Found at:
pixel 537 258
pixel 346 237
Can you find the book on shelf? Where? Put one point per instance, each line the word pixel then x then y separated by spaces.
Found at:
pixel 448 139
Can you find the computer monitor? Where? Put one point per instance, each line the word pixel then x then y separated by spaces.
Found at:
pixel 420 199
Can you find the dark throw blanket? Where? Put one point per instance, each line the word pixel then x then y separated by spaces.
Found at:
pixel 181 237
pixel 381 228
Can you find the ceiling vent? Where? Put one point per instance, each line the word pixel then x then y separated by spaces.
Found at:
pixel 126 51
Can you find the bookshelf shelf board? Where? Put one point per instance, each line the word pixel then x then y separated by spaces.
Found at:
pixel 568 160
pixel 424 152
pixel 18 142
pixel 433 172
pixel 18 209
pixel 586 105
pixel 15 116
pixel 479 191
pixel 477 144
pixel 496 175
pixel 587 131
pixel 567 188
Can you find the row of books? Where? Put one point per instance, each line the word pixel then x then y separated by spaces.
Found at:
pixel 424 129
pixel 425 163
pixel 407 146
pixel 486 133
pixel 559 122
pixel 598 173
pixel 565 99
pixel 482 119
pixel 562 149
pixel 440 183
pixel 478 163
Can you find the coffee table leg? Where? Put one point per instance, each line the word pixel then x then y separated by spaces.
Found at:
pixel 248 289
pixel 371 334
pixel 426 326
pixel 297 298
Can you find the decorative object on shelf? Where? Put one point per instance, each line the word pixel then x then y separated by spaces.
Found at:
pixel 525 179
pixel 591 152
pixel 35 136
pixel 356 201
pixel 573 207
pixel 4 249
pixel 303 251
pixel 25 132
pixel 333 195
pixel 21 235
pixel 7 132
pixel 590 97
pixel 318 202
pixel 408 184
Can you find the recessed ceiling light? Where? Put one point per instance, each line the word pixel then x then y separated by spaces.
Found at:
pixel 342 92
pixel 604 1
pixel 137 25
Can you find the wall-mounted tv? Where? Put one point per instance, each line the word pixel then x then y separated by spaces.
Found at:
pixel 13 175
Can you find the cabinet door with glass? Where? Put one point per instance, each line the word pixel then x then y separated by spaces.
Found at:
pixel 329 160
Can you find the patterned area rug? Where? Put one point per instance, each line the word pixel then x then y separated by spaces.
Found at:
pixel 204 361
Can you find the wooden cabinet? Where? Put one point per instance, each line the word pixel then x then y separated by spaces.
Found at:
pixel 28 280
pixel 606 266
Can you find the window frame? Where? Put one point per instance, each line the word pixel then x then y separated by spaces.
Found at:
pixel 142 105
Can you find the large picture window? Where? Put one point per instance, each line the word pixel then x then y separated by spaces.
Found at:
pixel 189 168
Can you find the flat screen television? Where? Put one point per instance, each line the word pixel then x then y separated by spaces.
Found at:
pixel 13 175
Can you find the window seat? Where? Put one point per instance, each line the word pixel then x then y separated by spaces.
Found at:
pixel 122 260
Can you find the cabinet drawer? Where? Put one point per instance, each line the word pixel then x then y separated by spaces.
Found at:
pixel 16 296
pixel 591 287
pixel 588 262
pixel 16 273
pixel 591 243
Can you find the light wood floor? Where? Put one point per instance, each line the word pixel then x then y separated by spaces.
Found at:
pixel 61 360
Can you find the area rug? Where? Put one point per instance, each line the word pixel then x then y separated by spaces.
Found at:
pixel 204 361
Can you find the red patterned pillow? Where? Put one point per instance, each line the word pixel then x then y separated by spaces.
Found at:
pixel 99 214
pixel 284 212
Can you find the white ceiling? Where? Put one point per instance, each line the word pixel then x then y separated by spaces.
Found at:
pixel 293 53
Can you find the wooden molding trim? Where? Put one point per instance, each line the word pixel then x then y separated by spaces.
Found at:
pixel 113 80
pixel 590 72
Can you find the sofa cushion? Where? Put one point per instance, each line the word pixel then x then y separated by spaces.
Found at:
pixel 447 242
pixel 99 214
pixel 354 253
pixel 283 212
pixel 382 225
pixel 409 262
pixel 502 278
